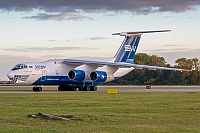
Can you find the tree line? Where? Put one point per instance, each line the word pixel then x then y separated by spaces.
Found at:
pixel 161 77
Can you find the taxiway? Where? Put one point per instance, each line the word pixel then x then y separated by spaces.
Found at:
pixel 28 89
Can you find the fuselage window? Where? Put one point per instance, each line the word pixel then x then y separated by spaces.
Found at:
pixel 18 66
pixel 30 66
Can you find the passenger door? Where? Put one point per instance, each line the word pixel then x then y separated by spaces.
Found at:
pixel 44 74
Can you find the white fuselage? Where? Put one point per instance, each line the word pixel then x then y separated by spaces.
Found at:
pixel 51 72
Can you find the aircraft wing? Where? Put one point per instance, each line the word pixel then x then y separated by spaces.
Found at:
pixel 119 64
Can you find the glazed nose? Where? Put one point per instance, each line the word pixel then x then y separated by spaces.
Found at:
pixel 10 74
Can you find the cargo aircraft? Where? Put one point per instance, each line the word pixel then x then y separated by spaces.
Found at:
pixel 83 75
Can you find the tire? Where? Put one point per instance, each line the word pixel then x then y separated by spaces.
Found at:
pixel 61 88
pixel 37 89
pixel 85 88
pixel 34 88
pixel 88 88
pixel 95 88
pixel 81 88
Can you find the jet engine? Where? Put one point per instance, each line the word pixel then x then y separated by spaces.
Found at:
pixel 101 76
pixel 77 75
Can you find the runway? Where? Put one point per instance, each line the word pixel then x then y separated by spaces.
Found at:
pixel 53 89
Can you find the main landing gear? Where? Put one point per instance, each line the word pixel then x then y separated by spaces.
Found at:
pixel 79 88
pixel 37 89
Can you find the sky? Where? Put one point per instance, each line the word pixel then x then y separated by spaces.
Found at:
pixel 38 30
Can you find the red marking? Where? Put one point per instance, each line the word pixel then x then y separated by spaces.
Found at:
pixel 185 70
pixel 167 30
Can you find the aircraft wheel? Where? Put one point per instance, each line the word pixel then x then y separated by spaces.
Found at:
pixel 34 88
pixel 70 89
pixel 81 88
pixel 84 88
pixel 73 89
pixel 61 88
pixel 93 88
pixel 37 89
pixel 88 88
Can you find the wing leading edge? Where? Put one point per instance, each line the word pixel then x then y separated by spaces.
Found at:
pixel 119 64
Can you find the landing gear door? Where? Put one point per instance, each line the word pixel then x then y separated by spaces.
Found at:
pixel 44 74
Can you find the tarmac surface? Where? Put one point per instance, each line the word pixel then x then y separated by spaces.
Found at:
pixel 13 90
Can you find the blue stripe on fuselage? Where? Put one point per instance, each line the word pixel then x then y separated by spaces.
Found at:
pixel 58 80
pixel 51 80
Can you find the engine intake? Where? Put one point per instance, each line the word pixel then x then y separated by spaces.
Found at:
pixel 77 75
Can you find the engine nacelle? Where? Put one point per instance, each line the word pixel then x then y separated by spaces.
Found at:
pixel 77 75
pixel 101 76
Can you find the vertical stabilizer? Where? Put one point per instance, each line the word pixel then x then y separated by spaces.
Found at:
pixel 127 50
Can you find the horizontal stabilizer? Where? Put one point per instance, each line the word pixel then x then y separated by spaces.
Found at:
pixel 138 32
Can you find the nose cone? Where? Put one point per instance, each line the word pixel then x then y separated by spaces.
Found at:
pixel 10 74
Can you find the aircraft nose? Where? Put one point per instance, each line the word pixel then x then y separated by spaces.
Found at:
pixel 10 75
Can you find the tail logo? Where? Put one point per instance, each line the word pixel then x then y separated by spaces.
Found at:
pixel 129 48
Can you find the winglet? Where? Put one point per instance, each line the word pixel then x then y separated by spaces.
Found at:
pixel 138 32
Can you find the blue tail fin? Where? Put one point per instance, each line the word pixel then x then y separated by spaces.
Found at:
pixel 129 46
pixel 127 50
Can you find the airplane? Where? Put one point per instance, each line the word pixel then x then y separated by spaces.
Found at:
pixel 83 75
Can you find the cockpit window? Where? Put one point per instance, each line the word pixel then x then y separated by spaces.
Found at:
pixel 20 66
